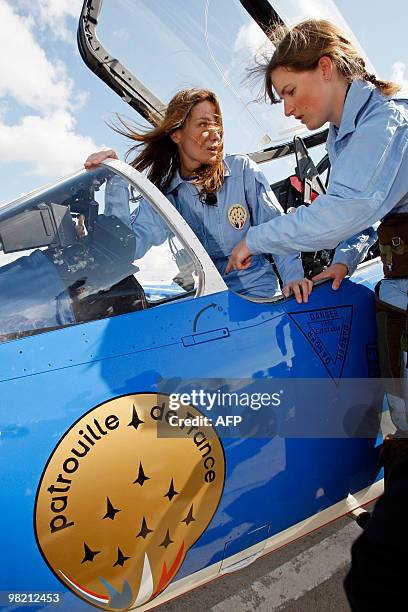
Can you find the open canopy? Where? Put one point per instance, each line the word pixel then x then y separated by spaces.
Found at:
pixel 147 50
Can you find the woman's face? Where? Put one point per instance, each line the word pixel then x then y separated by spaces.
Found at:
pixel 311 96
pixel 199 140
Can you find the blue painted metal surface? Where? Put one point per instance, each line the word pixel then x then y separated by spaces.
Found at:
pixel 49 380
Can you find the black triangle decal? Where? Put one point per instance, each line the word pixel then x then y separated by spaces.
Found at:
pixel 328 331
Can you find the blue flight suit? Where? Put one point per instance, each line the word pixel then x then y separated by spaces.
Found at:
pixel 368 179
pixel 245 185
pixel 368 153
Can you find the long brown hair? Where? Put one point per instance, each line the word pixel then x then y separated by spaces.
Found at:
pixel 159 154
pixel 301 47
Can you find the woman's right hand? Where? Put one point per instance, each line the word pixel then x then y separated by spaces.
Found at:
pixel 96 158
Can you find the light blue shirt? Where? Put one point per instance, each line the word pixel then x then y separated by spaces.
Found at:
pixel 369 179
pixel 244 185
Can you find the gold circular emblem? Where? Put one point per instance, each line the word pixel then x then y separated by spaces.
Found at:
pixel 237 215
pixel 124 495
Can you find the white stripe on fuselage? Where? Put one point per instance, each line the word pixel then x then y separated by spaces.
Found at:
pixel 316 521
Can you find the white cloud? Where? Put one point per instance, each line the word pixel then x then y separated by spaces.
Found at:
pixel 56 13
pixel 28 75
pixel 295 11
pixel 49 144
pixel 39 89
pixel 57 10
pixel 122 34
pixel 398 75
pixel 251 37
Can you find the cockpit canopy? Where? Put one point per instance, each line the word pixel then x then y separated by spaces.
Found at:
pixel 146 51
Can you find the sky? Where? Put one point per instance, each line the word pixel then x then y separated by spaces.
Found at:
pixel 54 111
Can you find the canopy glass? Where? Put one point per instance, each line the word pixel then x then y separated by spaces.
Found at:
pixel 169 45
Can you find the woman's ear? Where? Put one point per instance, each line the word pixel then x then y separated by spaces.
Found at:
pixel 175 136
pixel 326 67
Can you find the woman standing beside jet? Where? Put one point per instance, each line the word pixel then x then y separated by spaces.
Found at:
pixel 321 78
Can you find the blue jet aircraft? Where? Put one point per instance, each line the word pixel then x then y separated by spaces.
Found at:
pixel 156 429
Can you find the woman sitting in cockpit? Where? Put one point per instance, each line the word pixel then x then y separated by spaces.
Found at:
pixel 220 197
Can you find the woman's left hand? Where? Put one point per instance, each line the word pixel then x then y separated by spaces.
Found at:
pixel 337 272
pixel 301 289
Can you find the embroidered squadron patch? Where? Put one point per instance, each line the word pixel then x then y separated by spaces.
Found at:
pixel 237 215
pixel 124 496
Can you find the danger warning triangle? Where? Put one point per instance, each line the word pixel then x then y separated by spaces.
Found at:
pixel 328 331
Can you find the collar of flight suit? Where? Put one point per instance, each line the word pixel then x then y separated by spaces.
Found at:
pixel 358 94
pixel 177 179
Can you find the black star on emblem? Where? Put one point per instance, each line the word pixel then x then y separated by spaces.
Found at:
pixel 167 540
pixel 171 492
pixel 144 531
pixel 121 558
pixel 89 554
pixel 141 476
pixel 135 422
pixel 110 510
pixel 189 518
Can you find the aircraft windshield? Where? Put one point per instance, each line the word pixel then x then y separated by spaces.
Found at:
pixel 72 253
pixel 169 45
